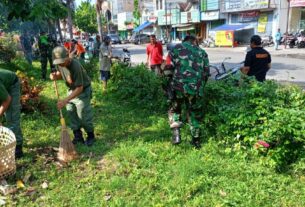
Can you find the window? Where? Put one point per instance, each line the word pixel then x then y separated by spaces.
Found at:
pixel 161 4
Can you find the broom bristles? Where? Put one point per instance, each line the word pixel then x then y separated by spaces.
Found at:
pixel 67 150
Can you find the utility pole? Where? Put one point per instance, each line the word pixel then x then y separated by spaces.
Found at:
pixel 287 23
pixel 165 2
pixel 170 21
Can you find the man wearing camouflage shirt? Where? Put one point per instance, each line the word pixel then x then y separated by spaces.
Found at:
pixel 188 68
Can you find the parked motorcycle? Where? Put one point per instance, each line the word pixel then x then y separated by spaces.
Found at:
pixel 300 42
pixel 267 41
pixel 290 40
pixel 209 42
pixel 124 58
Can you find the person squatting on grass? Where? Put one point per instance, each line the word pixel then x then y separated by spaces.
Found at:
pixel 187 67
pixel 79 95
pixel 258 60
pixel 10 105
pixel 154 53
pixel 105 61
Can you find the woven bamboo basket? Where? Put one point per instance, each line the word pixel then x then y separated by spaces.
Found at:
pixel 7 152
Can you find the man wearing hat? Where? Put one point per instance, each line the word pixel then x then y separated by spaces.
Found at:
pixel 79 95
pixel 10 105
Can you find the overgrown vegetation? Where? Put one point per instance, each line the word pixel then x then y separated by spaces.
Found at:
pixel 133 163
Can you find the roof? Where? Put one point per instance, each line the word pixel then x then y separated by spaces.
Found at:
pixel 228 27
pixel 142 26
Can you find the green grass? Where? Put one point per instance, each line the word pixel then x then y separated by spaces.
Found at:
pixel 133 164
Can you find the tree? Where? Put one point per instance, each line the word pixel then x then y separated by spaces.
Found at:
pixel 39 12
pixel 136 13
pixel 85 18
pixel 70 4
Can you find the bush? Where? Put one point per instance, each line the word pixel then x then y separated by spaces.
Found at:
pixel 257 112
pixel 30 94
pixel 8 48
pixel 137 85
pixel 268 116
pixel 92 68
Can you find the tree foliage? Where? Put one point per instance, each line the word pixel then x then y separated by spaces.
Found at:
pixel 30 10
pixel 136 13
pixel 85 17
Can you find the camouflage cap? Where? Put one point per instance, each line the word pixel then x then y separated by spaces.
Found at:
pixel 59 55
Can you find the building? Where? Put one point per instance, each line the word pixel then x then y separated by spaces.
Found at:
pixel 297 15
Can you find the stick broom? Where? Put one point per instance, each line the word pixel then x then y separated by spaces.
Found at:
pixel 66 151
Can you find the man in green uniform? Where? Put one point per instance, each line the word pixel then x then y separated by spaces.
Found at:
pixel 10 105
pixel 45 49
pixel 79 96
pixel 189 74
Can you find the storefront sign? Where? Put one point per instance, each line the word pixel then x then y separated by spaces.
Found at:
pixel 262 23
pixel 190 17
pixel 205 16
pixel 172 17
pixel 248 16
pixel 297 3
pixel 123 18
pixel 224 38
pixel 244 5
pixel 209 5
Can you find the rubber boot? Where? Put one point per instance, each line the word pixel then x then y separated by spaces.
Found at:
pixel 90 139
pixel 196 142
pixel 18 152
pixel 78 137
pixel 176 139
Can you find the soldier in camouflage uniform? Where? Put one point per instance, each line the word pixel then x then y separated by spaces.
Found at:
pixel 187 67
pixel 45 49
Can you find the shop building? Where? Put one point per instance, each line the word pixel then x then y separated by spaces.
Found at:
pixel 297 15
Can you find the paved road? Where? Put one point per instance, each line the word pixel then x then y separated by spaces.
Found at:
pixel 285 67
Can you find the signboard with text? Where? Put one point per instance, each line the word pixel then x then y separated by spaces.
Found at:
pixel 172 17
pixel 208 5
pixel 244 5
pixel 213 15
pixel 224 38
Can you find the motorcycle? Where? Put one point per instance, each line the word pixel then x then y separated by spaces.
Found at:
pixel 300 42
pixel 209 42
pixel 267 41
pixel 124 58
pixel 290 40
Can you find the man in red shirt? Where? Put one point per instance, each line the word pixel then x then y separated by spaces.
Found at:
pixel 154 53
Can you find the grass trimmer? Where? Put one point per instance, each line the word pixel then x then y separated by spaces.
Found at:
pixel 66 151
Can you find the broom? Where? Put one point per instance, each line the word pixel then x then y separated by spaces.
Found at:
pixel 66 150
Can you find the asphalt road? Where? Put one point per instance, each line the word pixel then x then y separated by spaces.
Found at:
pixel 285 68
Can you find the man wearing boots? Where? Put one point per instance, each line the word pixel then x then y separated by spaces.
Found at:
pixel 79 96
pixel 10 105
pixel 189 65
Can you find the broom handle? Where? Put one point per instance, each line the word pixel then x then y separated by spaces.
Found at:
pixel 62 120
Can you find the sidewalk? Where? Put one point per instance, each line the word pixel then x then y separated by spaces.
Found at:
pixel 282 52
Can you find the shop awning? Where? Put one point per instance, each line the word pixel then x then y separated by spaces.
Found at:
pixel 184 27
pixel 228 27
pixel 142 26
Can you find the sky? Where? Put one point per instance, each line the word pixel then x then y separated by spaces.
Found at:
pixel 77 2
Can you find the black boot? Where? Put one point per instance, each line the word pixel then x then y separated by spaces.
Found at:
pixel 90 139
pixel 196 142
pixel 18 152
pixel 78 137
pixel 176 139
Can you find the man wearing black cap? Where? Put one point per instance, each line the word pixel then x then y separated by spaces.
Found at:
pixel 258 60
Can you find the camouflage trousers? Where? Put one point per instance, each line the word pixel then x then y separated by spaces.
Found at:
pixel 12 114
pixel 80 111
pixel 44 63
pixel 194 112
